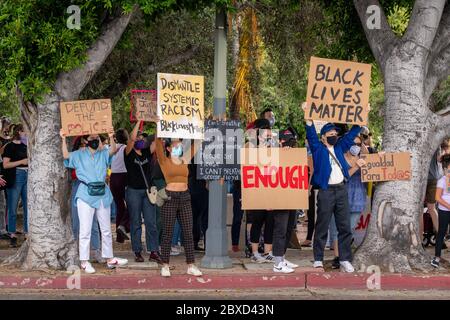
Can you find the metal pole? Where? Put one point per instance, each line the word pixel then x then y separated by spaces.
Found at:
pixel 216 256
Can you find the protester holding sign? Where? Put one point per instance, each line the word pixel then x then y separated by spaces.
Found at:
pixel 93 196
pixel 15 163
pixel 443 199
pixel 138 160
pixel 118 183
pixel 173 161
pixel 331 175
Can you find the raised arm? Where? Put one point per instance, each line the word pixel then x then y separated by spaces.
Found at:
pixel 347 140
pixel 160 150
pixel 132 138
pixel 112 143
pixel 65 151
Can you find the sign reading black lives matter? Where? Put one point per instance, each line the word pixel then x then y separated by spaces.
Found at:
pixel 180 106
pixel 338 91
pixel 220 149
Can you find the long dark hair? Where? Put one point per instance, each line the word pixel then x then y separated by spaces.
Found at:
pixel 445 162
pixel 16 131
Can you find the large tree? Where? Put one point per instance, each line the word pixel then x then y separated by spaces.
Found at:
pixel 412 66
pixel 47 63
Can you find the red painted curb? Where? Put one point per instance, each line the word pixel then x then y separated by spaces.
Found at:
pixel 155 282
pixel 359 281
pixel 300 280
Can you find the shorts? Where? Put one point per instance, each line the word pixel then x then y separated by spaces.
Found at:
pixel 430 195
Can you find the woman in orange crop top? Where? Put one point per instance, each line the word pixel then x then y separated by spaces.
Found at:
pixel 174 165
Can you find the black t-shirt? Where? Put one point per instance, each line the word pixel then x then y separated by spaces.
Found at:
pixel 16 152
pixel 134 173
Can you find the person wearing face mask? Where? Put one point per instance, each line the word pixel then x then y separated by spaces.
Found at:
pixel 330 175
pixel 262 218
pixel 173 161
pixel 118 183
pixel 138 162
pixel 93 196
pixel 15 163
pixel 356 194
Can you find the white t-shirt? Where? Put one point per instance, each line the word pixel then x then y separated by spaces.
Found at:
pixel 117 162
pixel 442 184
pixel 336 175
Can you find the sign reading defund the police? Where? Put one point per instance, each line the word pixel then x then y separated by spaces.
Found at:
pixel 222 143
pixel 180 106
pixel 338 91
pixel 386 167
pixel 86 117
pixel 274 178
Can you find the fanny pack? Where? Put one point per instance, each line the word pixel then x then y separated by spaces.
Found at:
pixel 95 188
pixel 153 195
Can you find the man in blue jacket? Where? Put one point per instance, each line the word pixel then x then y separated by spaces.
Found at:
pixel 330 176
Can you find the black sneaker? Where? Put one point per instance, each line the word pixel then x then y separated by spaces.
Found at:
pixel 122 234
pixel 198 248
pixel 435 263
pixel 335 264
pixel 5 236
pixel 13 243
pixel 444 246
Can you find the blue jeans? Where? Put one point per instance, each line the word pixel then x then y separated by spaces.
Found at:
pixel 176 238
pixel 95 232
pixel 138 206
pixel 333 233
pixel 19 189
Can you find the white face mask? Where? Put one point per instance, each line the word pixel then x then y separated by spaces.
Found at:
pixel 355 150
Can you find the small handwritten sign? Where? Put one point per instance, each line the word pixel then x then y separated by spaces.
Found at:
pixel 388 167
pixel 86 117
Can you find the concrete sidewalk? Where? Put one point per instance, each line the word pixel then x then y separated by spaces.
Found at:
pixel 243 275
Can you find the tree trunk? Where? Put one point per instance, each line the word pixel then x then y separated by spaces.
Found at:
pixel 50 244
pixel 393 242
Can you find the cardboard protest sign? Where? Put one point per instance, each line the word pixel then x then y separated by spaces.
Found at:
pixel 389 167
pixel 274 178
pixel 140 110
pixel 222 142
pixel 86 117
pixel 338 91
pixel 319 125
pixel 146 110
pixel 180 106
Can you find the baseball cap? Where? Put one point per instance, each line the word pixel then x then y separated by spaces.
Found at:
pixel 328 127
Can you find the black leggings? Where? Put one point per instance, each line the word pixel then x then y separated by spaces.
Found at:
pixel 444 220
pixel 260 218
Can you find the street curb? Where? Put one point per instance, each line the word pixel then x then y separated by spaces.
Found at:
pixel 300 280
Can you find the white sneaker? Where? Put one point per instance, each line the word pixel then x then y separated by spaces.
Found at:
pixel 290 264
pixel 116 262
pixel 174 251
pixel 347 267
pixel 283 268
pixel 194 271
pixel 318 264
pixel 87 267
pixel 269 258
pixel 165 271
pixel 257 258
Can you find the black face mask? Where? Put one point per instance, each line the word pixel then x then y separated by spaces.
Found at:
pixel 332 140
pixel 93 144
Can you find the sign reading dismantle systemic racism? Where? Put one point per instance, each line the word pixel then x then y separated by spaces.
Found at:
pixel 222 142
pixel 86 117
pixel 386 167
pixel 274 178
pixel 180 106
pixel 338 91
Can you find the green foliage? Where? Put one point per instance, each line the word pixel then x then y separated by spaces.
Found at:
pixel 36 45
pixel 398 19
